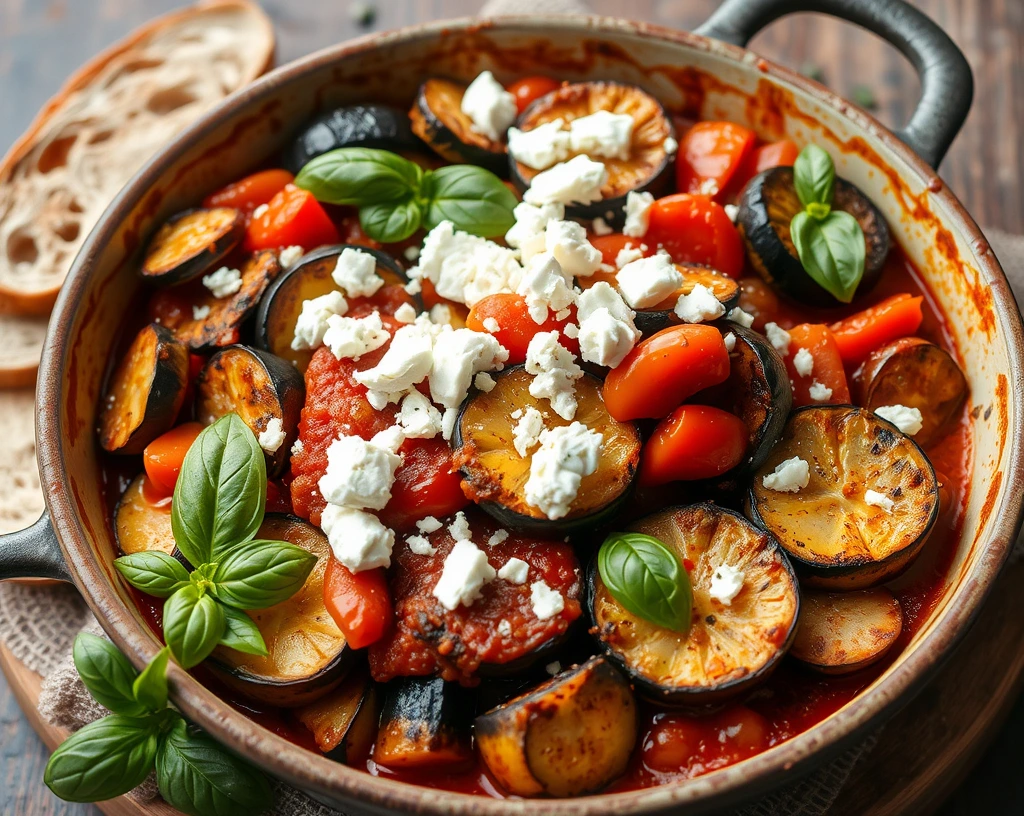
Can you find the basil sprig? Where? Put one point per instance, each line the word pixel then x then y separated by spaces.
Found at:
pixel 216 511
pixel 109 757
pixel 396 196
pixel 830 243
pixel 646 577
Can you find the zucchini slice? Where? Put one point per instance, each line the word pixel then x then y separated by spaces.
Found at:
pixel 913 372
pixel 223 317
pixel 141 525
pixel 307 653
pixel 495 474
pixel 649 166
pixel 768 204
pixel 426 723
pixel 190 243
pixel 146 392
pixel 572 735
pixel 265 391
pixel 310 278
pixel 437 118
pixel 377 126
pixel 837 540
pixel 344 722
pixel 730 648
pixel 842 632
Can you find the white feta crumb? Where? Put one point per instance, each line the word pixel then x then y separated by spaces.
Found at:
pixel 545 145
pixel 464 574
pixel 358 539
pixel 484 382
pixel 567 241
pixel 876 499
pixel 627 255
pixel 359 474
pixel 600 227
pixel 553 668
pixel 732 211
pixel 908 420
pixel 670 145
pixel 699 305
pixel 224 282
pixel 288 256
pixel 497 537
pixel 390 439
pixel 490 108
pixel 638 214
pixel 311 325
pixel 298 447
pixel 566 454
pixel 429 525
pixel 418 417
pixel 272 437
pixel 571 330
pixel 778 337
pixel 411 253
pixel 466 268
pixel 448 420
pixel 730 341
pixel 527 431
pixel 737 315
pixel 546 601
pixel 517 413
pixel 504 628
pixel 200 312
pixel 819 392
pixel 420 545
pixel 803 362
pixel 414 286
pixel 607 332
pixel 405 364
pixel 514 571
pixel 352 337
pixel 356 273
pixel 577 181
pixel 602 133
pixel 441 314
pixel 545 287
pixel 379 400
pixel 648 281
pixel 491 324
pixel 458 355
pixel 790 476
pixel 726 583
pixel 554 373
pixel 406 313
pixel 527 234
pixel 459 528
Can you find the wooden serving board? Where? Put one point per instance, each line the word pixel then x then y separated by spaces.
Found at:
pixel 924 752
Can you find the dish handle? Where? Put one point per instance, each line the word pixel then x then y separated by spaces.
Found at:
pixel 33 553
pixel 947 84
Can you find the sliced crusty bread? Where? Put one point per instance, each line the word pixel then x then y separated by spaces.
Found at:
pixel 109 118
pixel 21 344
pixel 21 498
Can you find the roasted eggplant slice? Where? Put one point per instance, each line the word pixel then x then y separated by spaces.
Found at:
pixel 311 278
pixel 146 392
pixel 377 126
pixel 731 647
pixel 426 723
pixel 869 504
pixel 190 243
pixel 437 118
pixel 841 632
pixel 768 204
pixel 141 523
pixel 572 735
pixel 344 722
pixel 495 473
pixel 913 372
pixel 307 653
pixel 265 391
pixel 648 167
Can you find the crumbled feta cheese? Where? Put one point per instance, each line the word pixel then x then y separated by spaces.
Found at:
pixel 546 601
pixel 406 363
pixel 571 330
pixel 602 133
pixel 726 583
pixel 466 268
pixel 440 314
pixel 648 281
pixel 527 431
pixel 737 315
pixel 778 337
pixel 418 417
pixel 638 214
pixel 458 355
pixel 272 437
pixel 699 305
pixel 908 420
pixel 670 145
pixel 459 528
pixel 429 525
pixel 298 447
pixel 577 181
pixel 553 668
pixel 359 474
pixel 448 420
pixel 356 273
pixel 504 628
pixel 554 373
pixel 790 476
pixel 390 439
pixel 491 324
pixel 545 286
pixel 514 571
pixel 379 400
pixel 200 312
pixel 545 145
pixel 876 499
pixel 484 382
pixel 600 227
pixel 732 211
pixel 412 253
pixel 497 537
pixel 289 255
pixel 489 106
pixel 567 241
pixel 352 337
pixel 260 211
pixel 607 332
pixel 627 255
pixel 358 539
pixel 406 313
pixel 819 392
pixel 730 341
pixel 803 362
pixel 414 287
pixel 311 325
pixel 528 233
pixel 566 454
pixel 420 545
pixel 223 282
pixel 464 574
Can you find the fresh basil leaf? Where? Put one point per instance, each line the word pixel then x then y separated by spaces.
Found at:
pixel 107 674
pixel 391 222
pixel 241 633
pixel 360 176
pixel 200 778
pixel 104 759
pixel 814 176
pixel 831 250
pixel 646 577
pixel 473 199
pixel 221 491
pixel 155 573
pixel 260 573
pixel 150 687
pixel 193 625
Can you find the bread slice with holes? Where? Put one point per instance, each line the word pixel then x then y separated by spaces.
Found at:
pixel 21 344
pixel 21 498
pixel 104 124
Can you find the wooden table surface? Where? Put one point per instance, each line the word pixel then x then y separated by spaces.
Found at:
pixel 42 41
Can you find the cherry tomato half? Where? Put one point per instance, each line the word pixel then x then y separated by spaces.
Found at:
pixel 250 192
pixel 679 743
pixel 710 153
pixel 529 89
pixel 696 230
pixel 774 154
pixel 293 218
pixel 693 442
pixel 163 456
pixel 827 369
pixel 611 245
pixel 515 326
pixel 425 485
pixel 359 602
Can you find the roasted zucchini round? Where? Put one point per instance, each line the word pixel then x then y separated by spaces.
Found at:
pixel 190 243
pixel 141 524
pixel 437 118
pixel 731 647
pixel 495 474
pixel 767 206
pixel 870 502
pixel 378 126
pixel 146 392
pixel 344 722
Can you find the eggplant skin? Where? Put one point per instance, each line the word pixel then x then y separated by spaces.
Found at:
pixel 425 723
pixel 378 126
pixel 344 722
pixel 437 118
pixel 190 243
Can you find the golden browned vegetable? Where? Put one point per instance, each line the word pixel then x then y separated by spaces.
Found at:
pixel 139 524
pixel 344 722
pixel 190 244
pixel 437 118
pixel 425 723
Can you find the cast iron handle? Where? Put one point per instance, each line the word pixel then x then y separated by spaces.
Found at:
pixel 947 84
pixel 33 553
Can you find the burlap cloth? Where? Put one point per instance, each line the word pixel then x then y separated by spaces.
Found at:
pixel 39 623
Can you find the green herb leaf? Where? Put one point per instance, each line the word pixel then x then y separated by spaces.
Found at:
pixel 260 573
pixel 108 674
pixel 241 633
pixel 193 625
pixel 473 199
pixel 104 759
pixel 646 577
pixel 360 176
pixel 221 491
pixel 831 250
pixel 155 573
pixel 391 222
pixel 150 687
pixel 814 176
pixel 200 778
